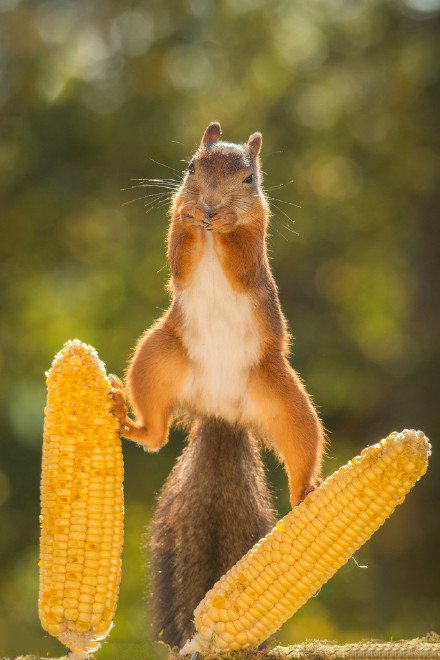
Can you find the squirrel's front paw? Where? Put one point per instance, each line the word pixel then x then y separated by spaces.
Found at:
pixel 119 408
pixel 190 214
pixel 224 222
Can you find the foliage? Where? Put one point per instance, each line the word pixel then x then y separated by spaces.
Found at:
pixel 92 94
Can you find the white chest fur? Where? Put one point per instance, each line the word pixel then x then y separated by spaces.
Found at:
pixel 222 339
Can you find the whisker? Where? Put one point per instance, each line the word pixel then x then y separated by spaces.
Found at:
pixel 155 200
pixel 155 205
pixel 132 201
pixel 167 166
pixel 150 193
pixel 287 216
pixel 158 195
pixel 152 185
pixel 155 195
pixel 156 180
pixel 271 153
pixel 162 204
pixel 280 185
pixel 151 196
pixel 280 233
pixel 283 201
pixel 284 213
pixel 292 231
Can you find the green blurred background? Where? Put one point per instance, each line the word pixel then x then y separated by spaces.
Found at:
pixel 346 93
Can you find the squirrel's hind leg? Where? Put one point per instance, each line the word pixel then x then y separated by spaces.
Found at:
pixel 286 417
pixel 154 378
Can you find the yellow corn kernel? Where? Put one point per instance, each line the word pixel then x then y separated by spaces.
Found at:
pixel 82 478
pixel 330 524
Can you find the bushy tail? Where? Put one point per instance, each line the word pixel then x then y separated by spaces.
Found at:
pixel 213 507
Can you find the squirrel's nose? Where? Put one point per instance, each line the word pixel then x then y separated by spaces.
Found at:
pixel 211 204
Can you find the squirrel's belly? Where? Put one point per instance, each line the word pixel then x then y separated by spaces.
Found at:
pixel 221 336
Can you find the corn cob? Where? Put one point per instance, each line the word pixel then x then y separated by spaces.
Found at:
pixel 283 570
pixel 81 502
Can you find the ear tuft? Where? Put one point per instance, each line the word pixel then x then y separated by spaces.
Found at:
pixel 254 143
pixel 212 134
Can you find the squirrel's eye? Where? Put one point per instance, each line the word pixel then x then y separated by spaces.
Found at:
pixel 191 168
pixel 249 179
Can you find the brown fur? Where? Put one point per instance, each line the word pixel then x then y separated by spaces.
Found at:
pixel 213 507
pixel 286 416
pixel 215 504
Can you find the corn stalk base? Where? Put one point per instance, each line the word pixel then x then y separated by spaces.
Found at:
pixel 425 648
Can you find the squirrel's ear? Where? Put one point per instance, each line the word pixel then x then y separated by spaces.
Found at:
pixel 212 134
pixel 254 143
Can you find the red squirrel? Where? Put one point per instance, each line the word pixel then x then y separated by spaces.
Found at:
pixel 221 349
pixel 219 354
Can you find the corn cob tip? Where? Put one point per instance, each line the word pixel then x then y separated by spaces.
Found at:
pixel 417 439
pixel 75 355
pixel 306 548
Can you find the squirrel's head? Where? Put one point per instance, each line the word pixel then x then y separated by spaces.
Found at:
pixel 224 175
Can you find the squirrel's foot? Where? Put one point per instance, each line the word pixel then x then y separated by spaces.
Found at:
pixel 140 434
pixel 297 496
pixel 129 429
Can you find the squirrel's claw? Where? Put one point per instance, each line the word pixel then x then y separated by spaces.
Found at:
pixel 116 381
pixel 310 488
pixel 119 408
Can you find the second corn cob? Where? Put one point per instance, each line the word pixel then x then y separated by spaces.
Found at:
pixel 81 502
pixel 283 570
